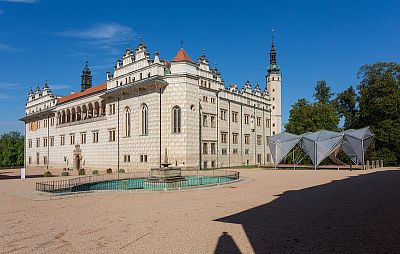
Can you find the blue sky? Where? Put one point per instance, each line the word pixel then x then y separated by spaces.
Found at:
pixel 330 40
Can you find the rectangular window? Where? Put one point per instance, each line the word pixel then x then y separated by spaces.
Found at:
pixel 223 114
pixel 37 158
pixel 259 158
pixel 45 160
pixel 45 123
pixel 235 151
pixel 234 117
pixel 205 98
pixel 111 135
pixel 72 139
pixel 246 119
pixel 112 109
pixel 213 100
pixel 205 164
pixel 143 158
pixel 213 164
pixel 127 158
pixel 212 148
pixel 234 138
pixel 267 123
pixel 52 121
pixel 83 138
pixel 268 157
pixel 205 121
pixel 45 142
pixel 212 121
pixel 62 140
pixel 247 139
pixel 246 151
pixel 223 151
pixel 51 141
pixel 223 137
pixel 258 121
pixel 96 137
pixel 38 142
pixel 205 148
pixel 30 143
pixel 259 139
pixel 30 160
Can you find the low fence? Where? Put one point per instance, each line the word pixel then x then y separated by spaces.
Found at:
pixel 135 180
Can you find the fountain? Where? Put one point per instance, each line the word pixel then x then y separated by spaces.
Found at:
pixel 165 173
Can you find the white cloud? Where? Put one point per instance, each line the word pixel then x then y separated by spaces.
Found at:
pixel 5 97
pixel 4 47
pixel 5 85
pixel 110 31
pixel 21 1
pixel 59 87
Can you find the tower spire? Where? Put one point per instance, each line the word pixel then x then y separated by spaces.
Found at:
pixel 272 53
pixel 273 66
pixel 86 78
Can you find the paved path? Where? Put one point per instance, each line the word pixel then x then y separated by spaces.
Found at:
pixel 302 211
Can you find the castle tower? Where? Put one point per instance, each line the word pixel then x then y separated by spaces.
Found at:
pixel 274 83
pixel 86 78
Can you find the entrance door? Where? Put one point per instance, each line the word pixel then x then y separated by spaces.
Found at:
pixel 77 162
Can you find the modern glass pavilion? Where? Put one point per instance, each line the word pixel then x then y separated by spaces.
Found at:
pixel 321 144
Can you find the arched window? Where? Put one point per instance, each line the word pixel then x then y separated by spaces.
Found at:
pixel 144 119
pixel 176 119
pixel 127 122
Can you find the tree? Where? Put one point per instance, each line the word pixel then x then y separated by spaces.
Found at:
pixel 346 104
pixel 11 149
pixel 323 92
pixel 379 108
pixel 308 117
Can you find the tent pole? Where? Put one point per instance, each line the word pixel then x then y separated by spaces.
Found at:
pixel 275 156
pixel 294 163
pixel 315 155
pixel 363 156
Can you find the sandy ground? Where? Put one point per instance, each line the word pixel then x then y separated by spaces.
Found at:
pixel 284 211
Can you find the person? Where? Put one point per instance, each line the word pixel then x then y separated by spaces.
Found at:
pixel 351 167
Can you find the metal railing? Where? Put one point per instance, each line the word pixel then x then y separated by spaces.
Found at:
pixel 136 180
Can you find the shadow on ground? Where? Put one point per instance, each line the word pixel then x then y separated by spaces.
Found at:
pixel 7 175
pixel 360 214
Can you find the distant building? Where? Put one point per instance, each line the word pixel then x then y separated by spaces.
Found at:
pixel 147 105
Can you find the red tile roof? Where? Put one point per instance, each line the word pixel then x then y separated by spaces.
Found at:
pixel 88 91
pixel 182 56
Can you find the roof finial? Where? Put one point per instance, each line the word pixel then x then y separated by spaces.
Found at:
pixel 273 36
pixel 181 44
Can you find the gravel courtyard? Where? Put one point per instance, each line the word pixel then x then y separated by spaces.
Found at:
pixel 283 211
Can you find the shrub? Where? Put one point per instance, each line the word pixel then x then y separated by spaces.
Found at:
pixel 81 172
pixel 65 173
pixel 48 174
pixel 121 170
pixel 95 172
pixel 109 171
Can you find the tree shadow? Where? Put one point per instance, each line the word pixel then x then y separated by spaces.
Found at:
pixel 360 214
pixel 226 244
pixel 7 175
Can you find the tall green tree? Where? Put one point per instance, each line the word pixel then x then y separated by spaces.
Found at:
pixel 306 116
pixel 11 149
pixel 346 104
pixel 379 105
pixel 323 93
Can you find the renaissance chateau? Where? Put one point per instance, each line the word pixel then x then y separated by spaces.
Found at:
pixel 149 105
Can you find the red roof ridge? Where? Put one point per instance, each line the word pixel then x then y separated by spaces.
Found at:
pixel 88 91
pixel 182 56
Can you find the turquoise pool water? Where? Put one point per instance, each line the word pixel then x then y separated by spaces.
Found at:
pixel 142 184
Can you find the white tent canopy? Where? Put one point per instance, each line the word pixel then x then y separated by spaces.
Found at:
pixel 281 144
pixel 319 145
